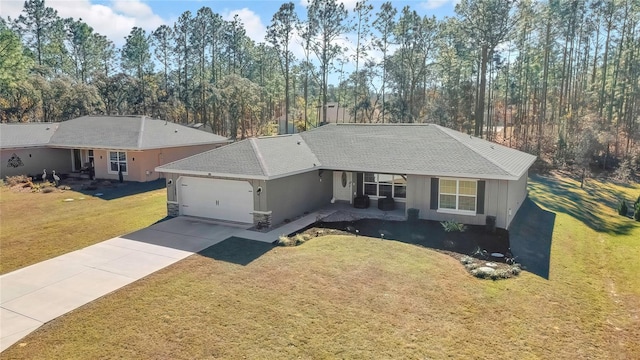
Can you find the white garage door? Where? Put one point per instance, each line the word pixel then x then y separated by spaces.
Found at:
pixel 228 200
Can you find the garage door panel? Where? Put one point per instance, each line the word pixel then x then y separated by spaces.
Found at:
pixel 230 200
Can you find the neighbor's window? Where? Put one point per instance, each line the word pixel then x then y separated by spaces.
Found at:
pixel 458 195
pixel 117 160
pixel 383 185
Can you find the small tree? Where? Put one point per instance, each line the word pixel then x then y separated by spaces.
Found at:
pixel 622 208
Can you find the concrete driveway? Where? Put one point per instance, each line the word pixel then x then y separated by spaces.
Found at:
pixel 31 296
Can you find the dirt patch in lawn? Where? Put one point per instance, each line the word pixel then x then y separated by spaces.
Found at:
pixel 476 247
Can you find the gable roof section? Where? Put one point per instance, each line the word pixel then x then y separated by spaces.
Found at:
pixel 255 158
pixel 420 149
pixel 26 135
pixel 127 133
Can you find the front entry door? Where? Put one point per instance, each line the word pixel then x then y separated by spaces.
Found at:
pixel 77 160
pixel 342 183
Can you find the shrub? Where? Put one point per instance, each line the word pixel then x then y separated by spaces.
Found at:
pixel 467 260
pixel 299 239
pixel 636 214
pixel 286 241
pixel 452 225
pixel 481 273
pixel 516 269
pixel 471 266
pixel 622 208
pixel 500 274
pixel 18 179
pixel 635 204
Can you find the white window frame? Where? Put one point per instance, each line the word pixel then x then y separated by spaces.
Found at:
pixel 393 186
pixel 457 195
pixel 126 161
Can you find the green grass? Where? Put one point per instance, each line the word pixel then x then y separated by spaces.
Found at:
pixel 347 297
pixel 36 226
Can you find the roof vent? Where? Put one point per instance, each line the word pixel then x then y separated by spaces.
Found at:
pixel 298 142
pixel 176 130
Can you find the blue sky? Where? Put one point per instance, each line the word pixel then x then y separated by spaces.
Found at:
pixel 115 18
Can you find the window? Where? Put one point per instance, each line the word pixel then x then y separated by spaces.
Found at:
pixel 90 157
pixel 458 195
pixel 117 160
pixel 383 185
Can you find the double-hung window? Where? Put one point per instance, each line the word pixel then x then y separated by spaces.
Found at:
pixel 117 162
pixel 458 195
pixel 383 185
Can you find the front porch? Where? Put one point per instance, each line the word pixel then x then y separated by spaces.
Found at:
pixel 346 212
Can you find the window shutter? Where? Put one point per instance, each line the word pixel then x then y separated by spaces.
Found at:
pixel 434 193
pixel 481 185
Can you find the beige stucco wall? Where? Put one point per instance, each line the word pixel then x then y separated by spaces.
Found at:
pixel 141 162
pixel 35 160
pixel 291 196
pixel 495 202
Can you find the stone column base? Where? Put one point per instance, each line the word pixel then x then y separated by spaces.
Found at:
pixel 173 209
pixel 262 219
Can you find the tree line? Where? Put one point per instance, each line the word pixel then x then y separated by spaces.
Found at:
pixel 557 78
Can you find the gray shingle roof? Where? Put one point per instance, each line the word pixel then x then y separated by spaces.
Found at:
pixel 256 157
pixel 424 149
pixel 26 135
pixel 238 158
pixel 127 132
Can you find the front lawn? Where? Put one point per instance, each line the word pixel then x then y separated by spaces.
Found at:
pixel 38 226
pixel 347 297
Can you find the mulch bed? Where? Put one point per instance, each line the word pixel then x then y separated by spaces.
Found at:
pixel 475 241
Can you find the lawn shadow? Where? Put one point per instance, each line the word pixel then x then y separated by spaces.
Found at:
pixel 530 234
pixel 564 197
pixel 237 250
pixel 120 190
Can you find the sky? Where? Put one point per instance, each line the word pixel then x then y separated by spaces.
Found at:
pixel 116 18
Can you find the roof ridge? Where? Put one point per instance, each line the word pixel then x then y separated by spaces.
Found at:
pixel 256 151
pixel 441 129
pixel 140 132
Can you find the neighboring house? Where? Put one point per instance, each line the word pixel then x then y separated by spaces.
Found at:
pixel 24 150
pixel 133 144
pixel 443 173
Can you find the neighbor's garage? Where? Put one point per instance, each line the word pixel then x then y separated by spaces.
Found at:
pixel 229 200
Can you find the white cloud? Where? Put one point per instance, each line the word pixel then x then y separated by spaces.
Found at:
pixel 256 30
pixel 114 21
pixel 434 4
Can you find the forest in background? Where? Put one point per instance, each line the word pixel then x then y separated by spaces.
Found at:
pixel 557 78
